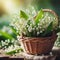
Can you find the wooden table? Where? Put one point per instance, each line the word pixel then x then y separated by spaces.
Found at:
pixel 55 55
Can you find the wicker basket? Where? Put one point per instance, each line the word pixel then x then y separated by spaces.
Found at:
pixel 39 45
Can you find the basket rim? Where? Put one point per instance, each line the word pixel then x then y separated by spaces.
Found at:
pixel 51 11
pixel 44 38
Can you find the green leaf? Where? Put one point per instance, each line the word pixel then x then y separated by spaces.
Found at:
pixel 39 16
pixel 14 51
pixel 23 15
pixel 57 30
pixel 6 35
pixel 13 30
pixel 49 29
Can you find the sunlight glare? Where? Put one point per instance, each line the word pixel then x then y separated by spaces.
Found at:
pixel 8 5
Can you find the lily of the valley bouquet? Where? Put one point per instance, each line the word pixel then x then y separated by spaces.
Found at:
pixel 37 29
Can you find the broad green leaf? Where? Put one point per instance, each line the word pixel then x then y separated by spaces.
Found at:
pixel 39 16
pixel 6 35
pixel 23 15
pixel 49 29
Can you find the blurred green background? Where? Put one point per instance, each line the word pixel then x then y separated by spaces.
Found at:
pixel 49 4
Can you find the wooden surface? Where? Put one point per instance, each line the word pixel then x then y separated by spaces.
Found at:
pixel 40 57
pixel 5 57
pixel 56 51
pixel 55 55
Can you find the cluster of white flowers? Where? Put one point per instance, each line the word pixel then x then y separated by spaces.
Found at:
pixel 29 26
pixel 31 11
pixel 57 43
pixel 5 44
pixel 44 22
pixel 12 48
